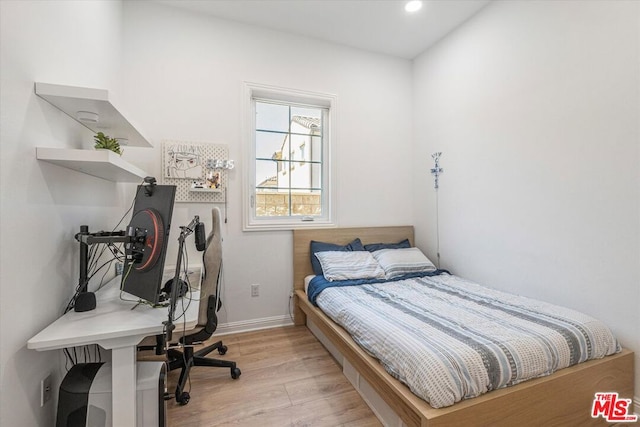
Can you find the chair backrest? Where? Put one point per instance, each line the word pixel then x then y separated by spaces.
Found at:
pixel 212 264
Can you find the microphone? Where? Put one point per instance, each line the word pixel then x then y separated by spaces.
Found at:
pixel 201 239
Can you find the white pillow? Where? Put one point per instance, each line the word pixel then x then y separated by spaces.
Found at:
pixel 398 262
pixel 348 265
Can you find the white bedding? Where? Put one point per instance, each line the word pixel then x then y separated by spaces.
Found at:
pixel 449 339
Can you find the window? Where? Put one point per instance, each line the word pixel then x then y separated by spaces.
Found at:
pixel 288 138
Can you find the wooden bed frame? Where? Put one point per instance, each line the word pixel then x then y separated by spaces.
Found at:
pixel 562 399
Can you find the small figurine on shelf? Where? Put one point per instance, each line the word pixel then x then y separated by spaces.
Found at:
pixel 213 180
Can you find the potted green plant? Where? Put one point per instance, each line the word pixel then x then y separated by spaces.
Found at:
pixel 105 142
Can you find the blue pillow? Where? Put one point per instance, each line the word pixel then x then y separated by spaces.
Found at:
pixel 355 245
pixel 377 246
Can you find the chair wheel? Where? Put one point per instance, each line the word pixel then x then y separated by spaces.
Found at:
pixel 222 349
pixel 235 373
pixel 184 398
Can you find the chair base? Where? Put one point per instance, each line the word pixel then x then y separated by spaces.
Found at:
pixel 188 358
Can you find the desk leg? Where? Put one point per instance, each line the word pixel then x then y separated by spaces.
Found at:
pixel 123 377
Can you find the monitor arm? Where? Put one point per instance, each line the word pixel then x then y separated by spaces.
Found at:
pixel 134 239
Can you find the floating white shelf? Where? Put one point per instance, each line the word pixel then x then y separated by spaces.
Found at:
pixel 103 164
pixel 206 190
pixel 72 99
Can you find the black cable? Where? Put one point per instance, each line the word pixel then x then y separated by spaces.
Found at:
pixel 184 309
pixel 108 262
pixel 117 252
pixel 291 307
pixel 71 355
pixel 186 264
pixel 133 202
pixel 95 258
pixel 106 270
pixel 81 285
pixel 92 258
pixel 68 359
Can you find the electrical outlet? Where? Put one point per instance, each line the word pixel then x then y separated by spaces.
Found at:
pixel 255 290
pixel 45 390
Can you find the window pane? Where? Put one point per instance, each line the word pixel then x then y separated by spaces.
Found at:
pixel 289 162
pixel 288 176
pixel 267 173
pixel 301 175
pixel 306 176
pixel 306 202
pixel 271 145
pixel 272 117
pixel 272 203
pixel 305 126
pixel 306 120
pixel 315 150
pixel 306 148
pixel 299 147
pixel 316 175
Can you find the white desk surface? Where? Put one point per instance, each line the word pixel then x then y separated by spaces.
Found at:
pixel 112 323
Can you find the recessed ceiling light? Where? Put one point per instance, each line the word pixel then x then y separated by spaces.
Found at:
pixel 413 6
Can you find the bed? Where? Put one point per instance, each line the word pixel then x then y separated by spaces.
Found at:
pixel 563 398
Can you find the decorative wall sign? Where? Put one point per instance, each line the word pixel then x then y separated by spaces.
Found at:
pixel 188 166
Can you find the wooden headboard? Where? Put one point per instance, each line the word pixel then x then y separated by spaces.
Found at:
pixel 341 236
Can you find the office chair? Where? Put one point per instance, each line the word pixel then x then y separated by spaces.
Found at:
pixel 207 319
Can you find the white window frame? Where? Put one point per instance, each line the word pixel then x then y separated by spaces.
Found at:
pixel 254 91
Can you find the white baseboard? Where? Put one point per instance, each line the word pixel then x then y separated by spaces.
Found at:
pixel 253 325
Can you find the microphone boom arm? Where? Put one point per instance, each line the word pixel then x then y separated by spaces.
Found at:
pixel 175 288
pixel 192 225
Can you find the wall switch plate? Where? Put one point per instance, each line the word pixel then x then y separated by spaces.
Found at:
pixel 255 290
pixel 45 390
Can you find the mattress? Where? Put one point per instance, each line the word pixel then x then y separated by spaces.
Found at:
pixel 450 339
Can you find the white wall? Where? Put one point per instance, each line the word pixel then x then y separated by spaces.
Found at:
pixel 183 75
pixel 534 104
pixel 43 205
pixel 536 108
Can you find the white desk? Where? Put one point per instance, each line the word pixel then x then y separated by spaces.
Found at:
pixel 114 326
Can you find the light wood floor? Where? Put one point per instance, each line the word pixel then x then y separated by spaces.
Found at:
pixel 288 379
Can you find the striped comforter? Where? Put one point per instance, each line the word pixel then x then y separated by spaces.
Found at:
pixel 449 339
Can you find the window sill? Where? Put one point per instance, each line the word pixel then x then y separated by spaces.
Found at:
pixel 289 225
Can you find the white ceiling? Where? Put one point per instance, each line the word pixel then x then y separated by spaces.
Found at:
pixel 380 26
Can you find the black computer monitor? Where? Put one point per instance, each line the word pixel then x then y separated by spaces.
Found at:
pixel 150 224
